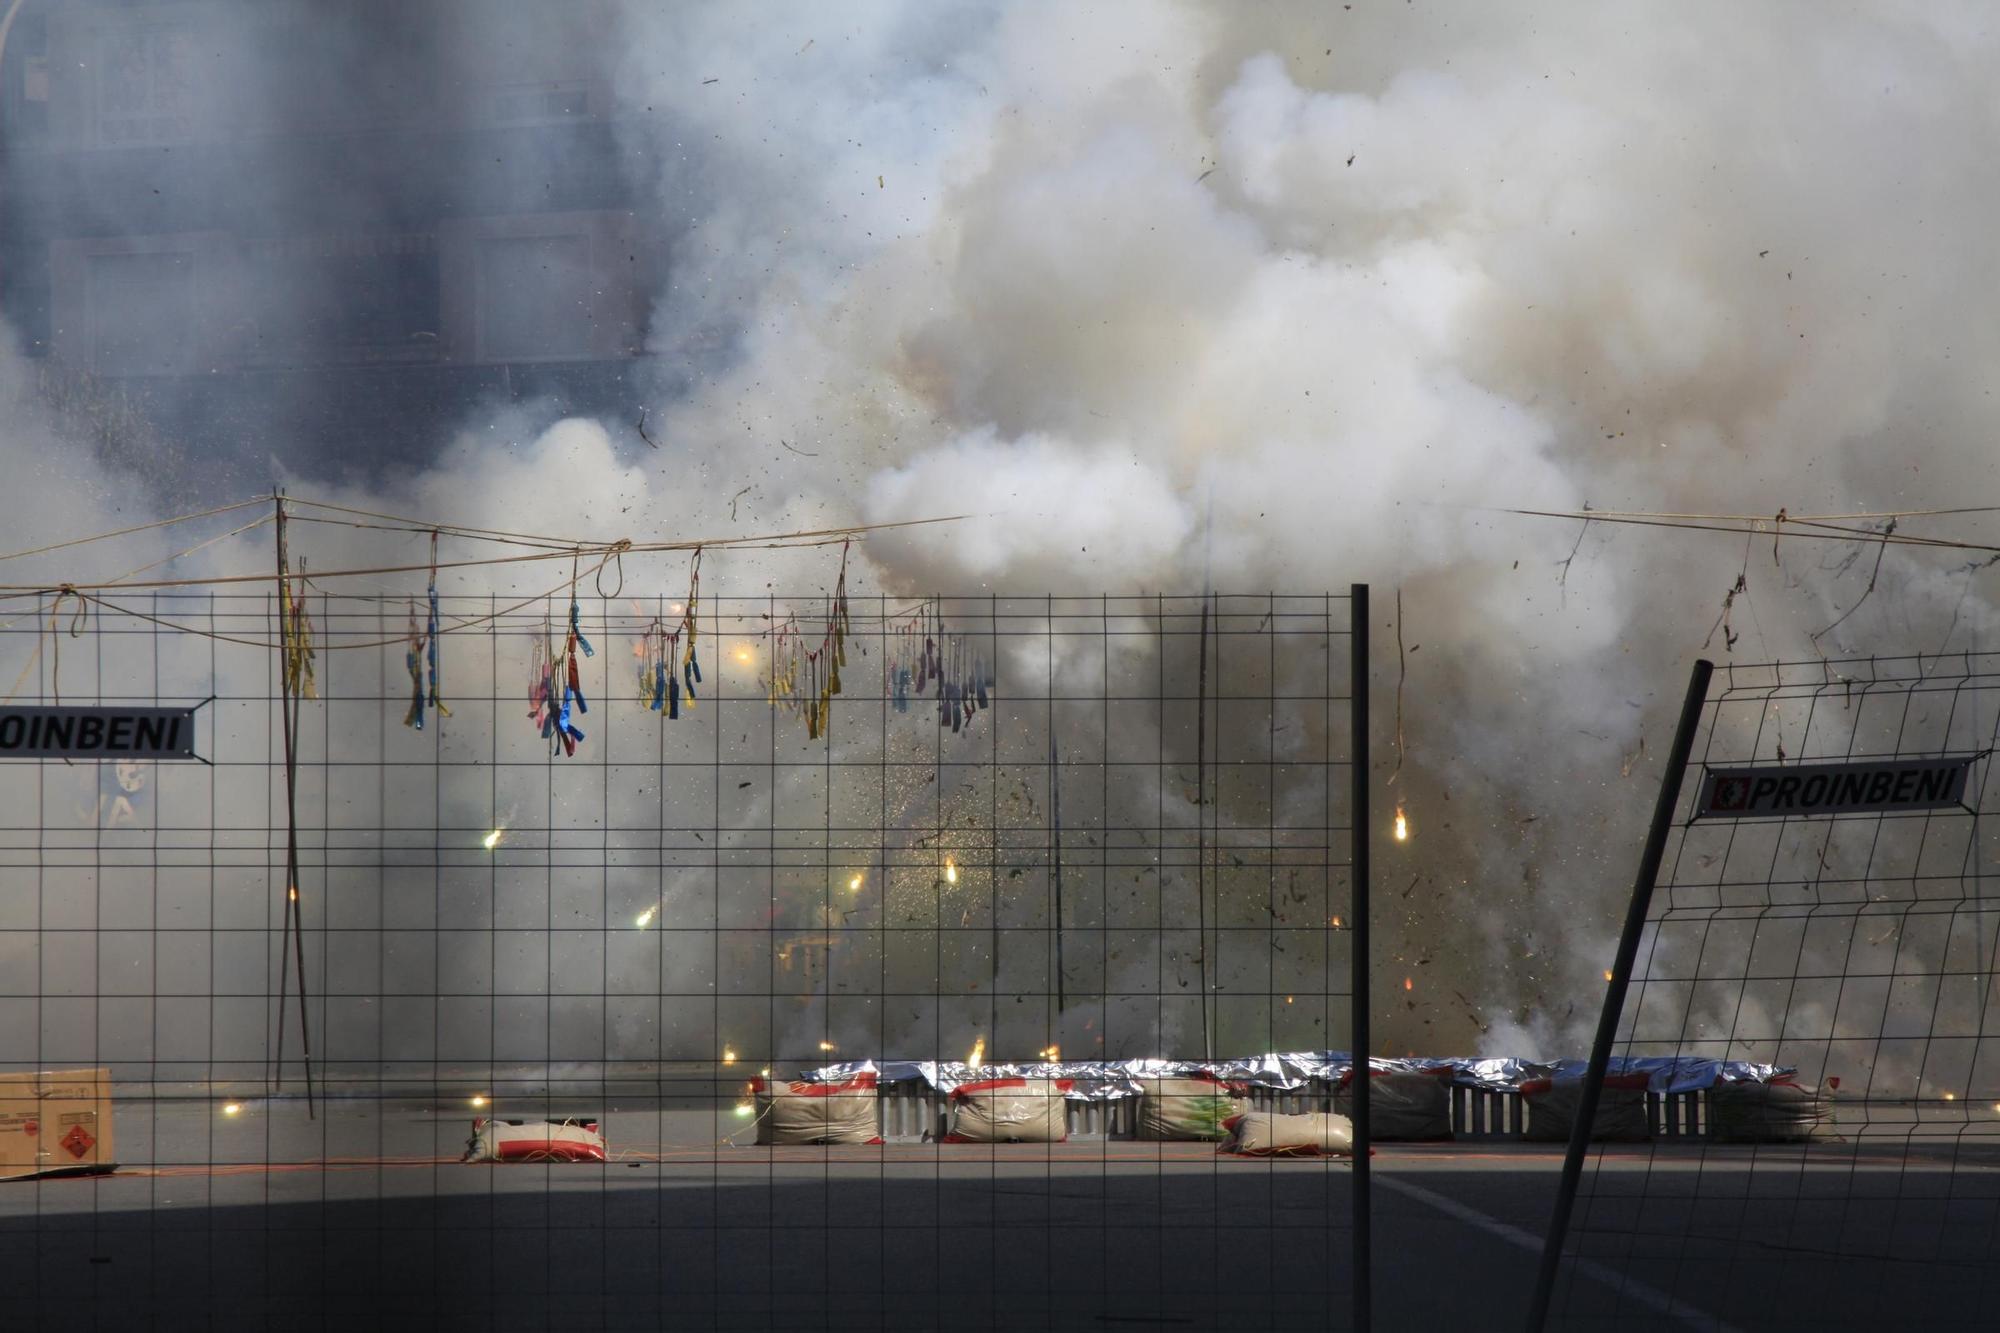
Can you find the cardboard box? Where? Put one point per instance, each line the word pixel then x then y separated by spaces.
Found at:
pixel 55 1123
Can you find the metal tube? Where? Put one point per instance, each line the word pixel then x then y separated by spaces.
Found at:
pixel 1357 690
pixel 1201 828
pixel 285 716
pixel 1055 806
pixel 295 927
pixel 1614 994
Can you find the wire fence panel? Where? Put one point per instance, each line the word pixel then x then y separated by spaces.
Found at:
pixel 960 831
pixel 1856 950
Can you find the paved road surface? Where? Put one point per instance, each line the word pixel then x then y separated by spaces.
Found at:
pixel 364 1219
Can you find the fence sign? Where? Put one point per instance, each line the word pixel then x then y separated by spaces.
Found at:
pixel 1861 786
pixel 64 732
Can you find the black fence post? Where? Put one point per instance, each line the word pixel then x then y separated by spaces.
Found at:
pixel 1614 994
pixel 1357 690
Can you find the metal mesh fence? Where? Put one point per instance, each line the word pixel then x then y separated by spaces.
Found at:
pixel 1857 950
pixel 1103 828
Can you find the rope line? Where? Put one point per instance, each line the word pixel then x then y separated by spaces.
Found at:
pixel 607 550
pixel 126 532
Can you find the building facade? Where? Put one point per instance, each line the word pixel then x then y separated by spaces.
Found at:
pixel 323 231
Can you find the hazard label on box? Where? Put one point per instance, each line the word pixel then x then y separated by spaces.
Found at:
pixel 78 1141
pixel 31 1128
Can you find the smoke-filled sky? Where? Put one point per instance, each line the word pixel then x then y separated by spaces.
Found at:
pixel 1279 295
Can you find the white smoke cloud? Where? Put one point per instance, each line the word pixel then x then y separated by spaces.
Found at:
pixel 1339 280
pixel 1288 296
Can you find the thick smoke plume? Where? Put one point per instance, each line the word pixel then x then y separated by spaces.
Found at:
pixel 1291 296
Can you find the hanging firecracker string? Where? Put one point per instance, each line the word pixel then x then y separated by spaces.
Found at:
pixel 659 679
pixel 552 699
pixel 927 652
pixel 539 695
pixel 569 680
pixel 649 663
pixel 781 687
pixel 423 651
pixel 832 653
pixel 555 689
pixel 431 636
pixel 896 666
pixel 296 632
pixel 413 658
pixel 690 671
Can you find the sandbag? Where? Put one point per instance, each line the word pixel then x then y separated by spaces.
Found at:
pixel 1781 1111
pixel 1269 1134
pixel 1401 1104
pixel 1621 1109
pixel 573 1140
pixel 816 1112
pixel 1010 1110
pixel 1188 1108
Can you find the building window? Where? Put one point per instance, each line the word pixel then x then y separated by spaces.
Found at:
pixel 343 299
pixel 145 87
pixel 541 102
pixel 535 296
pixel 141 311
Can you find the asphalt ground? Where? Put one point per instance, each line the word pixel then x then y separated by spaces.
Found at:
pixel 364 1218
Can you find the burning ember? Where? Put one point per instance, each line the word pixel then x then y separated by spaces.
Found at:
pixel 1402 826
pixel 978 1056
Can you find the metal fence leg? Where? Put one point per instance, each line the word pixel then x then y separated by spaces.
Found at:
pixel 1614 994
pixel 1357 690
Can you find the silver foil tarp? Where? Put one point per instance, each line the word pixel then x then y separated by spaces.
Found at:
pixel 1102 1080
pixel 1675 1073
pixel 1111 1080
